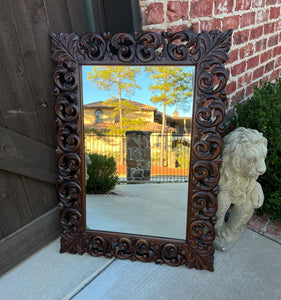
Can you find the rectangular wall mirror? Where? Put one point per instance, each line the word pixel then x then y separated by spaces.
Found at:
pixel 153 210
pixel 155 104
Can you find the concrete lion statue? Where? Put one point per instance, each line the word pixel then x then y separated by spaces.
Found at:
pixel 243 155
pixel 87 164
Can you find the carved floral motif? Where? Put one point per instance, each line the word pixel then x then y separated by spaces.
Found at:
pixel 207 51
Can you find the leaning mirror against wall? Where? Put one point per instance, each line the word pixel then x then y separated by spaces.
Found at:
pixel 121 99
pixel 205 53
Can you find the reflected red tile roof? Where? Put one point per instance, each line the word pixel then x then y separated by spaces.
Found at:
pixel 101 104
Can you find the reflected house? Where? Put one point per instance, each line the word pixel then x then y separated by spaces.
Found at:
pixel 100 116
pixel 181 124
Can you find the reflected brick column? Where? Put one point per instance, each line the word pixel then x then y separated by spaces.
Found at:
pixel 138 155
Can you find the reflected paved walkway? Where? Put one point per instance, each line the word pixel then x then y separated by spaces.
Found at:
pixel 147 209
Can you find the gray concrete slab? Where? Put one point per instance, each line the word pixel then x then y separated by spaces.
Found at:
pixel 251 270
pixel 49 275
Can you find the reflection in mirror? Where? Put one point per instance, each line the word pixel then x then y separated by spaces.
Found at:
pixel 140 119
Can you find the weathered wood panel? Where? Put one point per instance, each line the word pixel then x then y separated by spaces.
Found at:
pixel 41 200
pixel 1 234
pixel 25 156
pixel 15 209
pixel 58 15
pixel 17 106
pixel 77 16
pixel 27 121
pixel 30 238
pixel 2 123
pixel 36 58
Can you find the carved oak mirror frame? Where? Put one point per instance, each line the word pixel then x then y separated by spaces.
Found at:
pixel 207 51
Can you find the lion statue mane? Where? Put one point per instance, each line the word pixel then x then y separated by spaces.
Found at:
pixel 243 160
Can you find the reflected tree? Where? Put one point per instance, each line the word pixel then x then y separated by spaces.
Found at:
pixel 170 86
pixel 119 80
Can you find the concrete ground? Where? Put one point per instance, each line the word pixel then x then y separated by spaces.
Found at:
pixel 250 270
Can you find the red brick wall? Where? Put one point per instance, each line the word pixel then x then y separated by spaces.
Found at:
pixel 256 45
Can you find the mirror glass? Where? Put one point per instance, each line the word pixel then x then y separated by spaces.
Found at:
pixel 152 165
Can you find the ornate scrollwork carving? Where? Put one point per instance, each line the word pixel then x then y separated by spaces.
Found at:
pixel 202 230
pixel 94 45
pixel 124 43
pixel 144 251
pixel 206 174
pixel 68 137
pixel 71 219
pixel 147 45
pixel 65 49
pixel 214 47
pixel 66 107
pixel 180 51
pixel 69 193
pixel 200 262
pixel 69 163
pixel 204 204
pixel 66 79
pixel 171 255
pixel 213 114
pixel 97 246
pixel 72 242
pixel 207 51
pixel 208 148
pixel 124 248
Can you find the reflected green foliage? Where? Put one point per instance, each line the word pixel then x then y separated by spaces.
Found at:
pixel 102 174
pixel 93 130
pixel 170 86
pixel 128 124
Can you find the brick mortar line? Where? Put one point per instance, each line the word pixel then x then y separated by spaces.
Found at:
pixel 252 9
pixel 228 66
pixel 235 78
pixel 189 23
pixel 232 78
pixel 241 46
pixel 147 2
pixel 222 16
pixel 169 24
pixel 229 96
pixel 249 84
pixel 192 21
pixel 233 47
pixel 165 8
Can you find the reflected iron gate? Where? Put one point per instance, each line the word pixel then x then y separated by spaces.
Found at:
pixel 175 165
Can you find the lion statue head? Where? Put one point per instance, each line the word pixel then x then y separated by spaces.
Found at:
pixel 243 154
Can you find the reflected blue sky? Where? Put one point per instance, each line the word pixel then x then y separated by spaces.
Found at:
pixel 142 95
